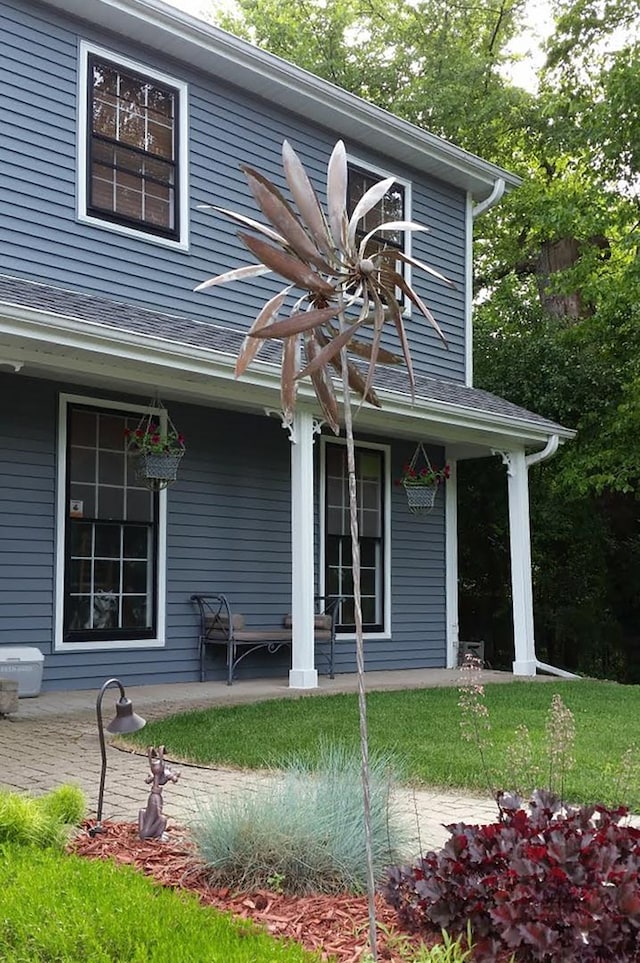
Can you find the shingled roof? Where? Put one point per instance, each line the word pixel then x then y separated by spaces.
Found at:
pixel 117 316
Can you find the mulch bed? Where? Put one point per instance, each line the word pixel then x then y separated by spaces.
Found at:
pixel 337 925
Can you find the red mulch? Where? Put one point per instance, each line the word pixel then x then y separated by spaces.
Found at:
pixel 336 925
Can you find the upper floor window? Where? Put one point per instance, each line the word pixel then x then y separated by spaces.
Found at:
pixel 394 206
pixel 134 164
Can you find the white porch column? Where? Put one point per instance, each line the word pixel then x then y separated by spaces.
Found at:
pixel 303 674
pixel 451 536
pixel 520 540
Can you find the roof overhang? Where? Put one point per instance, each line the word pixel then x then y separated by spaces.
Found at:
pixel 161 27
pixel 38 343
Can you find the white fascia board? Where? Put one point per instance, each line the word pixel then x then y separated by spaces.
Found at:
pixel 462 416
pixel 218 53
pixel 90 338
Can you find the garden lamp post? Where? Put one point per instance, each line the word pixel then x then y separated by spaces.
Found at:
pixel 125 720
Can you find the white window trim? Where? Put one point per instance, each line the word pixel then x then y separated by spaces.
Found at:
pixel 181 244
pixel 368 168
pixel 61 505
pixel 386 632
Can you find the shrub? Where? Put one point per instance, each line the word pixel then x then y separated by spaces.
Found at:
pixel 42 820
pixel 304 829
pixel 68 909
pixel 557 883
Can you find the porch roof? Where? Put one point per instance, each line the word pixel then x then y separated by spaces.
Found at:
pixel 51 331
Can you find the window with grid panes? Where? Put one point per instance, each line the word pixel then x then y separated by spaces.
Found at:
pixel 111 527
pixel 390 208
pixel 132 151
pixel 338 574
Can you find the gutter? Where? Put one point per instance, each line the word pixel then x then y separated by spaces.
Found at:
pixel 499 187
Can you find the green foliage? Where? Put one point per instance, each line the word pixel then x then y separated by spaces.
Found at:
pixel 450 950
pixel 304 830
pixel 415 59
pixel 42 820
pixel 66 908
pixel 416 727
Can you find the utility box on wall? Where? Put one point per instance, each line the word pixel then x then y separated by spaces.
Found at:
pixel 24 665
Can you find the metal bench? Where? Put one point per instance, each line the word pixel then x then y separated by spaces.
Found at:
pixel 219 625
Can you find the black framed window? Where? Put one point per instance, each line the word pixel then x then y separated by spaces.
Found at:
pixel 370 474
pixel 392 207
pixel 132 168
pixel 111 533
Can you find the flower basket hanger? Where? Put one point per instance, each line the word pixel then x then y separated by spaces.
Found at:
pixel 157 447
pixel 421 481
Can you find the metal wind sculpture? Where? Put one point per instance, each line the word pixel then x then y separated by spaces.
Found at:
pixel 348 282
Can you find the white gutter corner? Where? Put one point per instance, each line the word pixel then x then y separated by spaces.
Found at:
pixel 494 197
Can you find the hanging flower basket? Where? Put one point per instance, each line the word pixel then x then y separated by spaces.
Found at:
pixel 162 466
pixel 156 448
pixel 421 481
pixel 421 498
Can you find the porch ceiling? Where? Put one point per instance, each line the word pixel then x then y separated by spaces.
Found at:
pixel 81 339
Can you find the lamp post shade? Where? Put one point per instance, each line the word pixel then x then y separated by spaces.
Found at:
pixel 125 719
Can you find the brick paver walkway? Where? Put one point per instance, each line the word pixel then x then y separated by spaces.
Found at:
pixel 53 739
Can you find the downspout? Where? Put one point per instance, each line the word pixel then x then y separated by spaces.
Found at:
pixel 471 212
pixel 547 452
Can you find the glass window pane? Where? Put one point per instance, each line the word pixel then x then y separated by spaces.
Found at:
pixel 111 467
pixel 111 433
pixel 368 581
pixel 139 505
pixel 136 541
pixel 134 577
pixel 78 613
pixel 370 524
pixel 368 552
pixel 370 494
pixel 369 465
pixel 107 575
pixel 82 428
pixel 135 611
pixel 110 502
pixel 80 539
pixel 80 575
pixel 107 541
pixel 337 521
pixel 348 612
pixel 82 467
pixel 105 610
pixel 369 611
pixel 86 496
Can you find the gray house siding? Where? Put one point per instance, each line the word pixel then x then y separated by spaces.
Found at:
pixel 228 530
pixel 41 238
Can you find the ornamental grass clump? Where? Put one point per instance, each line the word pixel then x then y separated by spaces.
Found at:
pixel 43 820
pixel 303 828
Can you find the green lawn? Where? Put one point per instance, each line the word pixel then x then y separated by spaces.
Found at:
pixel 66 909
pixel 422 730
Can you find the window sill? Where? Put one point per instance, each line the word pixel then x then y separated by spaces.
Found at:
pixel 140 235
pixel 103 646
pixel 369 636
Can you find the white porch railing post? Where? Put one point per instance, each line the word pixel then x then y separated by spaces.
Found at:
pixel 303 674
